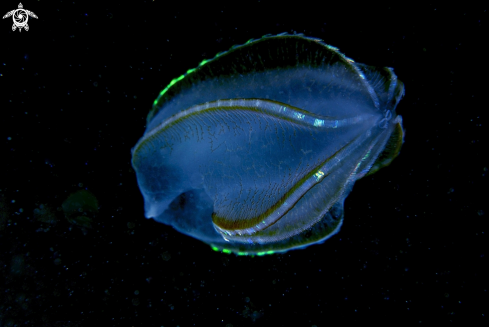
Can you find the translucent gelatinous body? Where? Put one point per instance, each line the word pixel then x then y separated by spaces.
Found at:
pixel 255 150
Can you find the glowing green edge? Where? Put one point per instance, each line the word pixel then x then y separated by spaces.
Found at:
pixel 242 253
pixel 205 61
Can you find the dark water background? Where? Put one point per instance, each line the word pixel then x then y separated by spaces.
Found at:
pixel 74 93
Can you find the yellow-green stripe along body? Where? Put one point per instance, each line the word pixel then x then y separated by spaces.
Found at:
pixel 254 151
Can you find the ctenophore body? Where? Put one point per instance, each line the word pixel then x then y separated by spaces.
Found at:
pixel 255 150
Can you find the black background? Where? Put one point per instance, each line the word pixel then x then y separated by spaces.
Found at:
pixel 74 93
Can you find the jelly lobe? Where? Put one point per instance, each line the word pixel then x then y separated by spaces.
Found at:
pixel 266 162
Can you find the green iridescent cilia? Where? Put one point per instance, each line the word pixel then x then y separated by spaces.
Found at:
pixel 255 150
